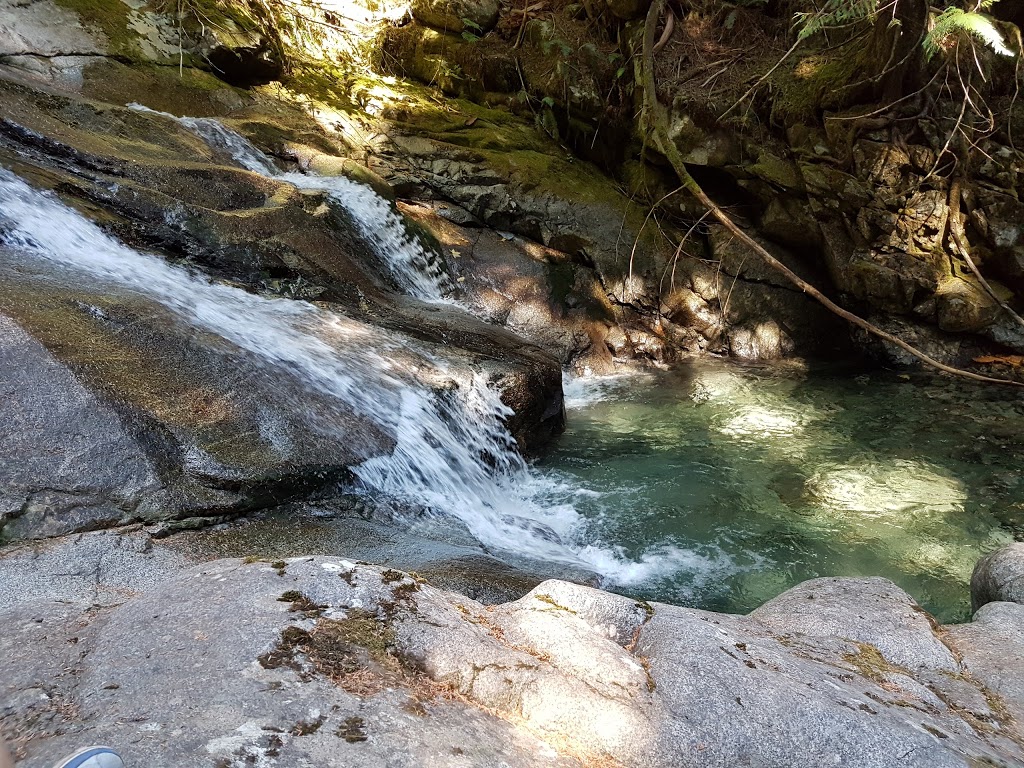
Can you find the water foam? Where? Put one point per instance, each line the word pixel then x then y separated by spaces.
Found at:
pixel 582 391
pixel 452 451
pixel 417 272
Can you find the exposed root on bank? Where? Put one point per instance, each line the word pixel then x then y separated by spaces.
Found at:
pixel 658 120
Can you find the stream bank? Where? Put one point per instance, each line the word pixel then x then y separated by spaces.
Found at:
pixel 318 659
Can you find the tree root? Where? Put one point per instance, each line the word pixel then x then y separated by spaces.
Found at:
pixel 956 232
pixel 657 118
pixel 670 26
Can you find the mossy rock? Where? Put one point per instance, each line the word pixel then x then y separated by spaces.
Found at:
pixel 778 171
pixel 812 84
pixel 113 19
pixel 457 66
pixel 188 91
pixel 473 16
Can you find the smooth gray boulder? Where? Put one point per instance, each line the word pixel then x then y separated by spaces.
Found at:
pixel 991 648
pixel 319 661
pixel 693 688
pixel 999 576
pixel 873 611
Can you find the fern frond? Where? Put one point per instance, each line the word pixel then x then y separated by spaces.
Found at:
pixel 954 20
pixel 833 14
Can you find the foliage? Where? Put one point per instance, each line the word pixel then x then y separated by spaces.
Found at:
pixel 945 25
pixel 954 20
pixel 472 31
pixel 835 13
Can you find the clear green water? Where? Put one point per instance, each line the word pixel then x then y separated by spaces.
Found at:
pixel 771 476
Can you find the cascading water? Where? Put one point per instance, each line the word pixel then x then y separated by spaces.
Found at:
pixel 417 272
pixel 452 452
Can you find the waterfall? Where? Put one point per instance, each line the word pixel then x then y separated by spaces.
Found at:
pixel 417 272
pixel 452 452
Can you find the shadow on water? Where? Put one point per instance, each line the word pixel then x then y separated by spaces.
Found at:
pixel 773 475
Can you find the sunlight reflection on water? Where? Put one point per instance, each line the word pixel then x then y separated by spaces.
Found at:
pixel 779 475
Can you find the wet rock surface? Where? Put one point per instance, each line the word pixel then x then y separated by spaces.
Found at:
pixel 325 659
pixel 204 427
pixel 68 461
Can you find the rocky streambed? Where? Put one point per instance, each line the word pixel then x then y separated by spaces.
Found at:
pixel 342 308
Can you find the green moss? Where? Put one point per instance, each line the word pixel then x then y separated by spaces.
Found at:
pixel 338 648
pixel 554 172
pixel 308 727
pixel 352 730
pixel 335 643
pixel 283 654
pixel 813 83
pixel 647 608
pixel 870 663
pixel 301 603
pixel 777 171
pixel 111 17
pixel 188 91
pixel 322 81
pixel 546 598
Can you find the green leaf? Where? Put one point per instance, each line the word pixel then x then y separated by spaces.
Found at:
pixel 547 101
pixel 954 20
pixel 469 37
pixel 470 24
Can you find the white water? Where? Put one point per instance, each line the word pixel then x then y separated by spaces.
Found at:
pixel 416 271
pixel 452 453
pixel 581 391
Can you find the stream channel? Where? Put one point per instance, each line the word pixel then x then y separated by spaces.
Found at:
pixel 714 485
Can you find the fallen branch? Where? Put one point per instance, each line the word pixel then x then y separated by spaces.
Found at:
pixel 658 120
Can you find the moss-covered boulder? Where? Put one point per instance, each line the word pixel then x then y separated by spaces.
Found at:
pixel 472 16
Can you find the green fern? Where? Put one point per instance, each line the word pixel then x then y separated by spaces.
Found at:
pixel 954 20
pixel 834 13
